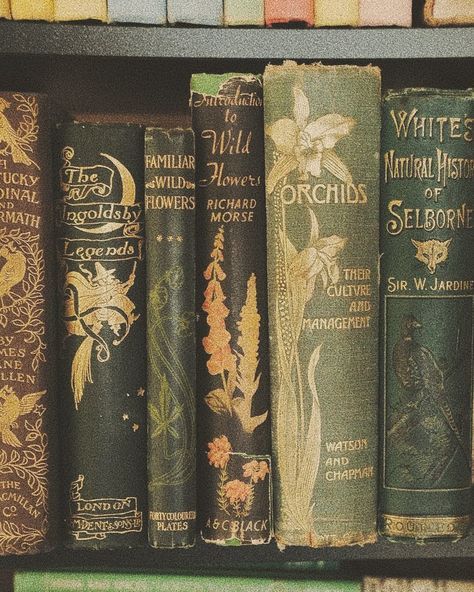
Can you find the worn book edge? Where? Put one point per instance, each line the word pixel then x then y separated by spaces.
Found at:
pixel 432 21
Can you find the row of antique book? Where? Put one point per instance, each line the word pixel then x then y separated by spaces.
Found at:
pixel 65 581
pixel 319 13
pixel 226 278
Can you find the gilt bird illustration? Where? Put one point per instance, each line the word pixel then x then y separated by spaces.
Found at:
pixel 13 270
pixel 15 144
pixel 11 409
pixel 422 378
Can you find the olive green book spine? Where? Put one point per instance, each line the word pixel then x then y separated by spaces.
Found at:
pixel 127 582
pixel 169 225
pixel 322 127
pixel 231 302
pixel 427 288
pixel 100 245
pixel 28 465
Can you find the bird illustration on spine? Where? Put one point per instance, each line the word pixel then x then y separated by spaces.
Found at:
pixel 11 409
pixel 94 301
pixel 424 408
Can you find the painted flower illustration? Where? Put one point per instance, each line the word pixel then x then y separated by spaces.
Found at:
pixel 319 259
pixel 219 452
pixel 308 145
pixel 256 470
pixel 237 491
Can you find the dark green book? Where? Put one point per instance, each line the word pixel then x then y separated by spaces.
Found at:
pixel 169 224
pixel 427 288
pixel 231 302
pixel 322 181
pixel 100 243
pixel 64 581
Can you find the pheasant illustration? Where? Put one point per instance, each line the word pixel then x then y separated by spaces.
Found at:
pixel 423 379
pixel 13 270
pixel 14 144
pixel 12 407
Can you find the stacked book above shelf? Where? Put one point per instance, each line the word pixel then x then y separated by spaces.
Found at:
pixel 255 13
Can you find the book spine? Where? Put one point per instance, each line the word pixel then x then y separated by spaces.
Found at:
pixel 196 12
pixel 244 12
pixel 323 126
pixel 27 337
pixel 336 13
pixel 145 11
pixel 103 364
pixel 378 584
pixel 289 11
pixel 171 343
pixel 5 10
pixel 71 10
pixel 376 13
pixel 40 10
pixel 438 13
pixel 427 289
pixel 111 582
pixel 231 301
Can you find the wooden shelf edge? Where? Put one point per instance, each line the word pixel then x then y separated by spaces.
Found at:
pixel 66 39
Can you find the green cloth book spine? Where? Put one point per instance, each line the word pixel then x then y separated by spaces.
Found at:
pixel 28 466
pixel 231 301
pixel 108 582
pixel 170 229
pixel 322 181
pixel 427 288
pixel 100 244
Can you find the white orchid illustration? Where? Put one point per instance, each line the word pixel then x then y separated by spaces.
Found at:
pixel 308 146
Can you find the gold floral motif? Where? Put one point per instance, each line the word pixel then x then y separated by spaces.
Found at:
pixel 31 465
pixel 93 301
pixel 17 143
pixel 21 289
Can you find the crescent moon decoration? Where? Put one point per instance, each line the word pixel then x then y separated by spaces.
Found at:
pixel 128 196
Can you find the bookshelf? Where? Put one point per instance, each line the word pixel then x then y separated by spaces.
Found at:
pixel 141 74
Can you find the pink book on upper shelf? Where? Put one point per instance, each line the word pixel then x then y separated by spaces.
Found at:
pixel 289 11
pixel 380 13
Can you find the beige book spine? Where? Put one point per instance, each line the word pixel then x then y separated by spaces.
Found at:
pixel 5 11
pixel 39 10
pixel 72 10
pixel 448 12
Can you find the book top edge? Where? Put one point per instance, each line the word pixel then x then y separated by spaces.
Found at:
pixel 428 92
pixel 292 66
pixel 100 124
pixel 210 84
pixel 168 131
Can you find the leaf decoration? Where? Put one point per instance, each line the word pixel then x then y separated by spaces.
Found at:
pixel 218 401
pixel 281 169
pixel 332 163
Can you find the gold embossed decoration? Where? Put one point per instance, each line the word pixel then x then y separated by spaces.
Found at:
pixel 17 143
pixel 94 301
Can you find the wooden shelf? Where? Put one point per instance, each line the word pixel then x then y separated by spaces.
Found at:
pixel 211 556
pixel 178 42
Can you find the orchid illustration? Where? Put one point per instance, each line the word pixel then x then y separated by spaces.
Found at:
pixel 308 146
